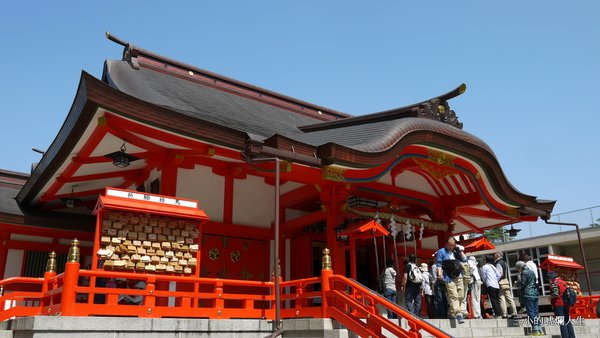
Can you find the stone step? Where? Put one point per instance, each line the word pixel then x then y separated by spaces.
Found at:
pixel 505 328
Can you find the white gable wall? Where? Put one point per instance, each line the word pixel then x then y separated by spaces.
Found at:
pixel 253 202
pixel 203 185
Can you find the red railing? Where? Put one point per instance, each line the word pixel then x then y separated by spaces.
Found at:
pixel 80 293
pixel 20 297
pixel 161 296
pixel 350 301
pixel 585 307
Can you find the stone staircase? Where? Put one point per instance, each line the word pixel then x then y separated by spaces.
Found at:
pixel 513 328
pixel 123 327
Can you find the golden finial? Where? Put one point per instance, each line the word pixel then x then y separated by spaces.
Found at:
pixel 74 251
pixel 326 262
pixel 51 263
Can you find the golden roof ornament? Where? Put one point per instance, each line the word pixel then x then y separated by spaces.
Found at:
pixel 73 252
pixel 326 261
pixel 51 263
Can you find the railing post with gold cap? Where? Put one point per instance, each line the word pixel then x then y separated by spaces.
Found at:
pixel 326 272
pixel 67 303
pixel 49 274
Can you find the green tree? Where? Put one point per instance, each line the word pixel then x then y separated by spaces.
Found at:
pixel 497 235
pixel 595 224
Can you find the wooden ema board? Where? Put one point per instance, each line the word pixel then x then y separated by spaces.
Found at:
pixel 146 233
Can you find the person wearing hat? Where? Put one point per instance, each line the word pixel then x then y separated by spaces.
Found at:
pixel 529 296
pixel 475 283
pixel 561 310
pixel 427 290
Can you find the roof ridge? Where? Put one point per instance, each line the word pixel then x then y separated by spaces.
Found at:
pixel 150 60
pixel 436 108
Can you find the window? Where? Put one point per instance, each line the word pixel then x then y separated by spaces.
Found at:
pixel 35 263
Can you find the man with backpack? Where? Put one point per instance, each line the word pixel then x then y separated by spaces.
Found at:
pixel 561 300
pixel 411 285
pixel 449 271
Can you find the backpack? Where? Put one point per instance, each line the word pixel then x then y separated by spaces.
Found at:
pixel 415 275
pixel 569 296
pixel 452 267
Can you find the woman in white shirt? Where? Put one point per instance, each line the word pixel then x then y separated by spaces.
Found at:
pixel 491 277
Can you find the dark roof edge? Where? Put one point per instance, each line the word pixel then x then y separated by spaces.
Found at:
pixel 132 50
pixel 40 175
pixel 412 110
pixel 13 174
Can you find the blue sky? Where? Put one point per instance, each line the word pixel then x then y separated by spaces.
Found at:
pixel 531 68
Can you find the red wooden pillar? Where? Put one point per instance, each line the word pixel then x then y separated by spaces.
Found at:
pixel 67 302
pixel 168 187
pixel 228 199
pixel 3 253
pixel 333 198
pixel 352 242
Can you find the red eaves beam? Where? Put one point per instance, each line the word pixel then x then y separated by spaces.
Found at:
pixel 91 144
pixel 101 176
pixel 125 124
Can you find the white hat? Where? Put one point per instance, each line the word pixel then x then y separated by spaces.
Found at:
pixel 423 267
pixel 472 258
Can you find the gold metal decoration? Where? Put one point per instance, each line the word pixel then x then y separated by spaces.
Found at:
pixel 438 164
pixel 326 261
pixel 235 256
pixel 435 170
pixel 51 262
pixel 440 157
pixel 213 254
pixel 331 173
pixel 512 212
pixel 74 252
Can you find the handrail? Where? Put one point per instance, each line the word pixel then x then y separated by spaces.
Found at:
pixel 20 296
pixel 328 296
pixel 364 301
pixel 585 306
pixel 195 297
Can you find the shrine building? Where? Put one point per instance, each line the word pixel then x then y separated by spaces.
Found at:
pixel 368 187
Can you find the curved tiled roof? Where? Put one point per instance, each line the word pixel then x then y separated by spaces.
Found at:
pixel 261 120
pixel 193 102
